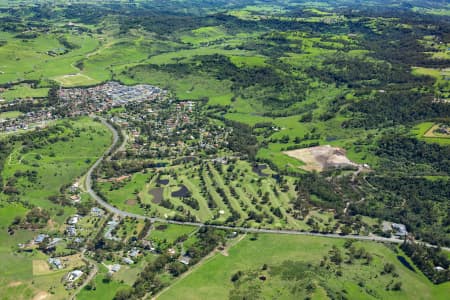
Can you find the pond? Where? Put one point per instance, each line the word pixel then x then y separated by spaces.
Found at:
pixel 258 169
pixel 405 263
pixel 182 192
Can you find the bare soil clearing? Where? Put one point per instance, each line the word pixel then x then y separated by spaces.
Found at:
pixel 41 296
pixel 157 194
pixel 321 158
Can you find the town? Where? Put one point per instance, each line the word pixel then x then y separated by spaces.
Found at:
pixel 77 102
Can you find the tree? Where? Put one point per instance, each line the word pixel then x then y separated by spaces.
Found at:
pixel 397 286
pixel 336 255
pixel 388 268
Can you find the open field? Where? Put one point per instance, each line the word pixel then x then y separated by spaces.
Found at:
pixel 274 250
pixel 170 232
pixel 75 80
pixel 103 290
pixel 23 91
pixel 10 114
pixel 56 163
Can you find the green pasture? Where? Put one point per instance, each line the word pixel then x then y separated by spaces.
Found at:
pixel 212 280
pixel 103 290
pixel 29 59
pixel 24 91
pixel 56 163
pixel 171 233
pixel 10 115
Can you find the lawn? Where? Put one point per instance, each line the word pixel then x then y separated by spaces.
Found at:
pixel 422 132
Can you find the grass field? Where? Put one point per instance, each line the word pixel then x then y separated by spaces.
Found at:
pixel 212 280
pixel 29 59
pixel 61 167
pixel 10 114
pixel 102 289
pixel 170 233
pixel 75 80
pixel 24 91
pixel 56 163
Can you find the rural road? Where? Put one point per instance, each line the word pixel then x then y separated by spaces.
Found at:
pixel 88 279
pixel 122 213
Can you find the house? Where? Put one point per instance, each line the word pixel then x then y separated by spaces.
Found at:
pixel 185 260
pixel 399 229
pixel 71 230
pixel 128 261
pixel 96 212
pixel 40 238
pixel 55 262
pixel 133 253
pixel 75 198
pixel 73 220
pixel 54 241
pixel 74 188
pixel 115 268
pixel 74 275
pixel 439 269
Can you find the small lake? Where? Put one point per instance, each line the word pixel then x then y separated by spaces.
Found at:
pixel 405 262
pixel 258 169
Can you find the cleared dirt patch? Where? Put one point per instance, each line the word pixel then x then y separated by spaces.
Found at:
pixel 75 80
pixel 14 283
pixel 131 202
pixel 322 158
pixel 41 296
pixel 157 194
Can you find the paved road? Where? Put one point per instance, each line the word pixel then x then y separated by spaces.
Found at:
pixel 121 213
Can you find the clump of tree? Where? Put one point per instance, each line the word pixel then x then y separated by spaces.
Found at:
pixel 431 261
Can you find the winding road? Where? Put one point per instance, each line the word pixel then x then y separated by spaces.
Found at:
pixel 108 207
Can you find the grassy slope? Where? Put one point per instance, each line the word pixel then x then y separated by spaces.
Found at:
pixel 18 267
pixel 207 282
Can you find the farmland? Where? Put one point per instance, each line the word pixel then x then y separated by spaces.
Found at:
pixel 277 253
pixel 321 117
pixel 61 168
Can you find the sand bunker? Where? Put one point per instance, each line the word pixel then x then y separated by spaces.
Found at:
pixel 321 158
pixel 41 296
